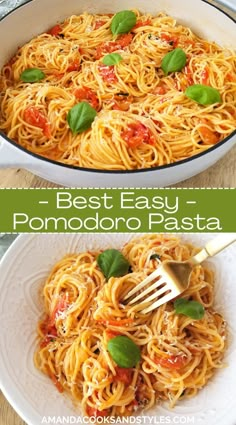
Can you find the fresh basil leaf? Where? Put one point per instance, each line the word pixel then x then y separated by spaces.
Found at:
pixel 80 117
pixel 193 309
pixel 205 95
pixel 124 351
pixel 155 257
pixel 174 61
pixel 123 22
pixel 113 263
pixel 31 75
pixel 112 59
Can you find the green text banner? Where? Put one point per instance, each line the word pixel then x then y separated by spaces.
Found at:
pixel 117 210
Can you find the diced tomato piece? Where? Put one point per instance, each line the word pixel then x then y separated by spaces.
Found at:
pixel 85 93
pixel 208 136
pixel 61 306
pixel 122 102
pixel 112 334
pixel 74 66
pixel 124 41
pixel 108 73
pixel 58 75
pixel 205 76
pixel 81 50
pixel 172 40
pixel 121 106
pixel 159 90
pixel 92 411
pixel 124 375
pixel 187 41
pixel 55 31
pixel 111 46
pixel 48 326
pixel 159 124
pixel 142 24
pixel 47 340
pixel 50 331
pixel 136 134
pixel 230 77
pixel 171 362
pixel 99 24
pixel 54 380
pixel 189 75
pixel 34 117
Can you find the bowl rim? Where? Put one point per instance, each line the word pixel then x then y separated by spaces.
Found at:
pixel 100 171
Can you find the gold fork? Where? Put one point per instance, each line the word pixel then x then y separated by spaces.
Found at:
pixel 171 278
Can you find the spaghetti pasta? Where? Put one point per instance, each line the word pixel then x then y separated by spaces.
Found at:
pixel 144 119
pixel 84 312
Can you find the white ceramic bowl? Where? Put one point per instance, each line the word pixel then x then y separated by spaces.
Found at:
pixel 36 16
pixel 22 273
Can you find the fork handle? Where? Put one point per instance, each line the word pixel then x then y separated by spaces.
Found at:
pixel 214 247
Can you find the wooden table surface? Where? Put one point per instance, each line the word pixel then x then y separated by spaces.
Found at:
pixel 222 174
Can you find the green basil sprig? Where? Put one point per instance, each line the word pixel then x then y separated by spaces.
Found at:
pixel 174 61
pixel 112 59
pixel 113 263
pixel 124 351
pixel 193 309
pixel 31 75
pixel 205 95
pixel 123 22
pixel 155 257
pixel 80 117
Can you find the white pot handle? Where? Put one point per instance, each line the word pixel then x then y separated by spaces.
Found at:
pixel 11 157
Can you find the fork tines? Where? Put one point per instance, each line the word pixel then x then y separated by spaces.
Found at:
pixel 160 291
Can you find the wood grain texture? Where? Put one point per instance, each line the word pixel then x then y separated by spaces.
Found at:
pixel 222 174
pixel 7 415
